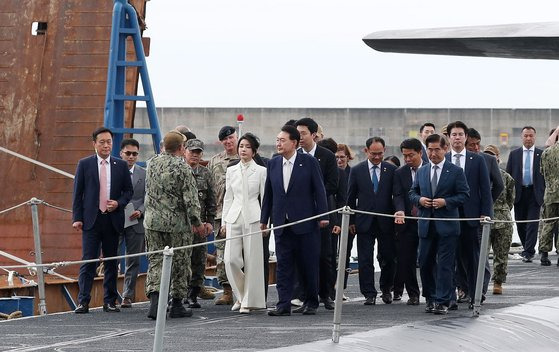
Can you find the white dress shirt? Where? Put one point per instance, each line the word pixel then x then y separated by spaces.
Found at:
pixel 370 164
pixel 462 158
pixel 287 170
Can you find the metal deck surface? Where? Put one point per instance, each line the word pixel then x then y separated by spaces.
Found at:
pixel 526 316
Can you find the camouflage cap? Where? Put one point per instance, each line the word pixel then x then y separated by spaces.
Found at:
pixel 491 149
pixel 195 144
pixel 225 131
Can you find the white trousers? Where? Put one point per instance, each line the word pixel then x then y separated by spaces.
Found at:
pixel 244 264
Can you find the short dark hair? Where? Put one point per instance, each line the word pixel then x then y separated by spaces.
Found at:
pixel 99 131
pixel 528 128
pixel 436 138
pixel 411 143
pixel 426 124
pixel 292 132
pixel 375 140
pixel 393 159
pixel 329 144
pixel 309 123
pixel 291 122
pixel 473 133
pixel 457 124
pixel 129 141
pixel 252 140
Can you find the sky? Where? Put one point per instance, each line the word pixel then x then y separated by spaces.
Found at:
pixel 310 53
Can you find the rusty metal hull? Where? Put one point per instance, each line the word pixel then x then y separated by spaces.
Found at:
pixel 52 89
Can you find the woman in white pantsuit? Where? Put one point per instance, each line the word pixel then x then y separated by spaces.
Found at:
pixel 244 188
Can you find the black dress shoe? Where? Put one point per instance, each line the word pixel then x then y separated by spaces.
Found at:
pixel 279 313
pixel 82 308
pixel 328 303
pixel 413 301
pixel 397 297
pixel 126 303
pixel 370 301
pixel 386 298
pixel 309 311
pixel 110 307
pixel 544 260
pixel 453 306
pixel 430 307
pixel 298 310
pixel 527 259
pixel 440 309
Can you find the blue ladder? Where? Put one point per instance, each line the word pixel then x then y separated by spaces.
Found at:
pixel 125 23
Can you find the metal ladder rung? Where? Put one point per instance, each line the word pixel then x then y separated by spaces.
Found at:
pixel 131 97
pixel 128 30
pixel 130 63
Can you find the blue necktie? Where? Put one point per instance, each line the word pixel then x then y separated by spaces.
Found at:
pixel 375 178
pixel 527 177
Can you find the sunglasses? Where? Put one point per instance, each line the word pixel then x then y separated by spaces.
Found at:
pixel 131 153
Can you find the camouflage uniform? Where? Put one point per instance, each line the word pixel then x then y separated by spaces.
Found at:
pixel 501 233
pixel 218 167
pixel 550 170
pixel 206 197
pixel 171 208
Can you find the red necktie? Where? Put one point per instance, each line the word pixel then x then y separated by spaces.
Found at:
pixel 103 198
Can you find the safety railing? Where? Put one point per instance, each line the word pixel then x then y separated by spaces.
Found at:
pixel 167 253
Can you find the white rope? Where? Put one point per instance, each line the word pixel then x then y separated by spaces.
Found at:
pixel 55 207
pixel 74 262
pixel 48 167
pixel 14 207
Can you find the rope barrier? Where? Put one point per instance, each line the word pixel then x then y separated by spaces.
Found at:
pixel 56 207
pixel 14 207
pixel 55 265
pixel 48 167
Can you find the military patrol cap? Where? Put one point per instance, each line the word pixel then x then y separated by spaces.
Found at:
pixel 195 144
pixel 491 149
pixel 173 140
pixel 225 131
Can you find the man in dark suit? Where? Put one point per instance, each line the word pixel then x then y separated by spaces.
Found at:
pixel 427 129
pixel 370 189
pixel 479 205
pixel 524 166
pixel 134 234
pixel 308 128
pixel 439 189
pixel 407 242
pixel 294 191
pixel 473 144
pixel 102 188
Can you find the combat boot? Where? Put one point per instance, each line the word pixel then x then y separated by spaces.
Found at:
pixel 544 259
pixel 205 293
pixel 227 296
pixel 193 297
pixel 178 310
pixel 497 288
pixel 153 302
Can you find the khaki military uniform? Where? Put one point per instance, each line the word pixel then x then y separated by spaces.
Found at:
pixel 171 208
pixel 206 197
pixel 218 167
pixel 549 167
pixel 501 233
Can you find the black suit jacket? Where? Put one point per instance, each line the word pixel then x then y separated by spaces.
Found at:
pixel 361 196
pixel 401 188
pixel 85 205
pixel 497 185
pixel 514 168
pixel 329 167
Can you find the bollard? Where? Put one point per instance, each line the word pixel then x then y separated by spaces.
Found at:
pixel 336 330
pixel 38 255
pixel 484 249
pixel 163 299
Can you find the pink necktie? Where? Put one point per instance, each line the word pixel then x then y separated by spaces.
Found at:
pixel 103 198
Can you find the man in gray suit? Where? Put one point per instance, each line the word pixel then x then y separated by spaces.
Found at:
pixel 133 235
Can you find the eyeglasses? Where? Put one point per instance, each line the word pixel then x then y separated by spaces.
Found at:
pixel 131 153
pixel 341 156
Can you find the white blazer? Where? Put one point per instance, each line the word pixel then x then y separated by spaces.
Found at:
pixel 234 201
